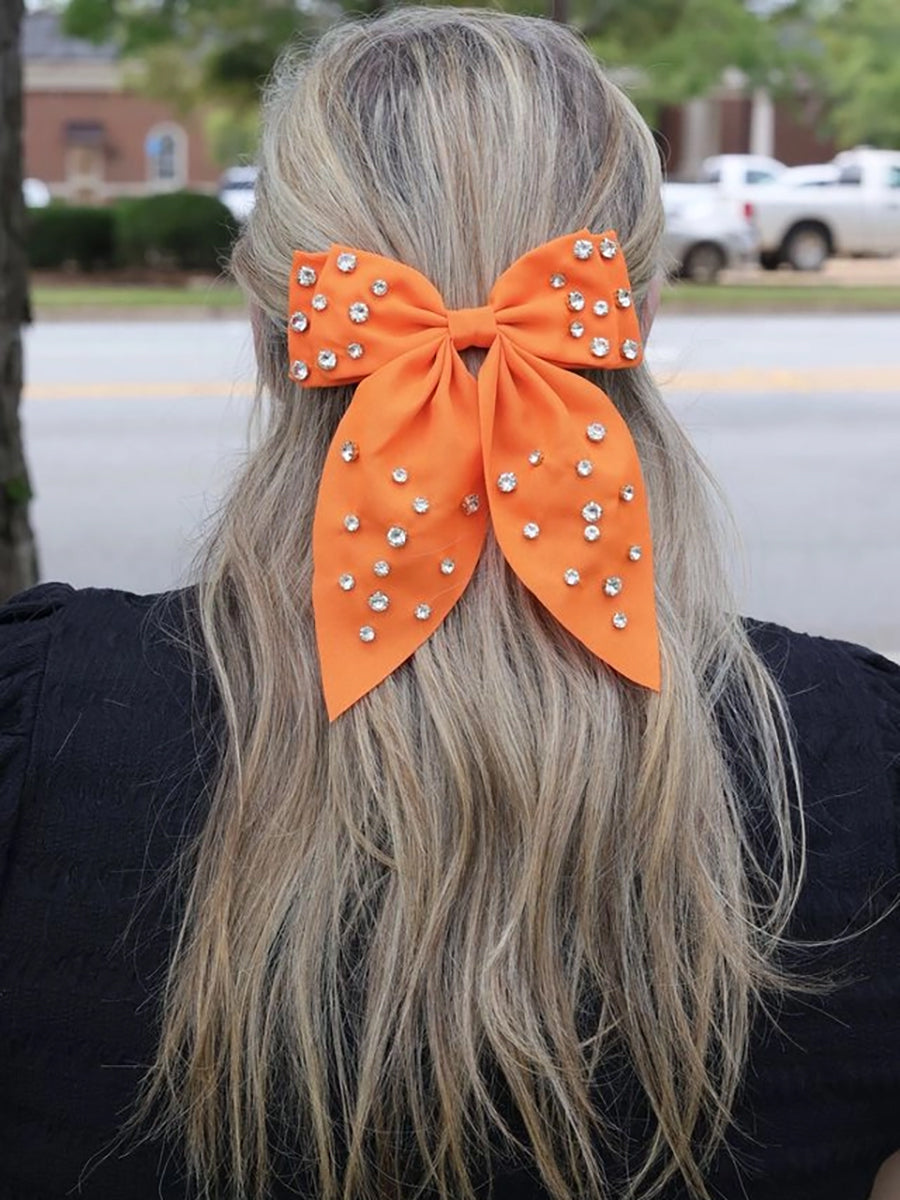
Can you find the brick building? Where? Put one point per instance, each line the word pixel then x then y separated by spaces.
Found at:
pixel 88 137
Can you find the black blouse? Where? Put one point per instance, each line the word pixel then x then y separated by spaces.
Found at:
pixel 107 738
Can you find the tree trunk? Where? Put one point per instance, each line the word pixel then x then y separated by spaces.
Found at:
pixel 559 10
pixel 18 558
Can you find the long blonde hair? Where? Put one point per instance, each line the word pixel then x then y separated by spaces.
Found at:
pixel 506 868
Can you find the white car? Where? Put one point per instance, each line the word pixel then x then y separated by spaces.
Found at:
pixel 811 175
pixel 706 231
pixel 732 173
pixel 236 191
pixel 35 193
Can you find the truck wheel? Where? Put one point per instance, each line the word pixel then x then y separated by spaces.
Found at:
pixel 769 260
pixel 807 247
pixel 703 262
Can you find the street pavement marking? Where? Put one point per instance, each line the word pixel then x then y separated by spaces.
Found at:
pixel 774 380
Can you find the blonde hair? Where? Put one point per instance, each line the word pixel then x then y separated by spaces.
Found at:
pixel 506 868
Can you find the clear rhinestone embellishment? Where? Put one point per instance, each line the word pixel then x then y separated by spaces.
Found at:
pixel 619 620
pixel 531 530
pixel 572 577
pixel 630 349
pixel 379 601
pixel 399 474
pixel 351 522
pixel 347 582
pixel 608 248
pixel 576 329
pixel 612 586
pixel 379 287
pixel 591 533
pixel 299 370
pixel 381 568
pixel 448 566
pixel 319 302
pixel 557 281
pixel 583 248
pixel 367 634
pixel 470 504
pixel 507 481
pixel 396 536
pixel 600 308
pixel 299 322
pixel 420 505
pixel 584 467
pixel 346 262
pixel 623 298
pixel 355 350
pixel 595 432
pixel 349 452
pixel 592 511
pixel 599 347
pixel 634 553
pixel 306 276
pixel 536 457
pixel 627 493
pixel 327 360
pixel 358 312
pixel 423 612
pixel 575 301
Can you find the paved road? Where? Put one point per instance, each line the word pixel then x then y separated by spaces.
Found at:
pixel 133 430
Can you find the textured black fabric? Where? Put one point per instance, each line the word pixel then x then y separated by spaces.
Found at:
pixel 107 741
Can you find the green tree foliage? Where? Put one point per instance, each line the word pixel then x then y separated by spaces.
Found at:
pixel 860 71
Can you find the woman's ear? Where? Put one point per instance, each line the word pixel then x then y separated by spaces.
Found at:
pixel 650 305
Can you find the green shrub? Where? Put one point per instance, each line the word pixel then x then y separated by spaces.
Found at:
pixel 177 229
pixel 62 235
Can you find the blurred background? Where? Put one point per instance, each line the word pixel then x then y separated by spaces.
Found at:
pixel 127 144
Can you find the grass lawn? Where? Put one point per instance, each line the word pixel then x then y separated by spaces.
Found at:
pixel 115 296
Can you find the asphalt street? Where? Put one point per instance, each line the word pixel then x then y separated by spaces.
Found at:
pixel 133 430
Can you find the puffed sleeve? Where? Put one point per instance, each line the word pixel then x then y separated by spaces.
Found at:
pixel 26 629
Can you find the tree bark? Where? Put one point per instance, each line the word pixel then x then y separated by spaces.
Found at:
pixel 18 557
pixel 559 11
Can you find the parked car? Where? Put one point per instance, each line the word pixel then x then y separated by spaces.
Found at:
pixel 706 232
pixel 811 175
pixel 732 173
pixel 35 193
pixel 236 191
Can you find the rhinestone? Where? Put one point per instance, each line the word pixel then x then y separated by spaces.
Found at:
pixel 557 281
pixel 600 308
pixel 306 277
pixel 399 474
pixel 448 566
pixel 575 301
pixel 599 347
pixel 630 349
pixel 634 553
pixel 595 432
pixel 327 360
pixel 319 302
pixel 420 505
pixel 576 329
pixel 627 493
pixel 381 568
pixel 347 582
pixel 471 504
pixel 367 634
pixel 379 287
pixel 531 530
pixel 299 322
pixel 612 586
pixel 584 467
pixel 592 511
pixel 351 522
pixel 355 350
pixel 507 482
pixel 591 533
pixel 349 451
pixel 423 612
pixel 623 298
pixel 396 536
pixel 572 577
pixel 619 620
pixel 346 262
pixel 536 457
pixel 583 248
pixel 358 312
pixel 299 370
pixel 379 601
pixel 608 248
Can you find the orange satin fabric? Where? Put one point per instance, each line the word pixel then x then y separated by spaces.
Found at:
pixel 426 454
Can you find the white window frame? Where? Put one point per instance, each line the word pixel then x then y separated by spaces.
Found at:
pixel 179 139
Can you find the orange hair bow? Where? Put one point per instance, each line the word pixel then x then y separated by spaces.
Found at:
pixel 425 451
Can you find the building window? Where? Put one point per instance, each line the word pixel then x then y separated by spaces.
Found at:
pixel 166 149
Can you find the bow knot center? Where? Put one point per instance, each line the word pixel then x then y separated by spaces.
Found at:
pixel 472 327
